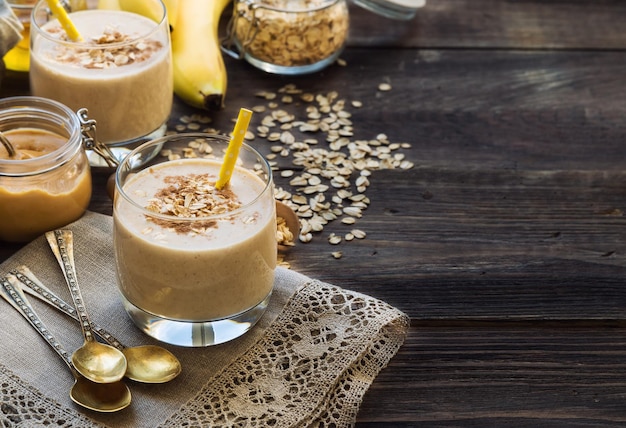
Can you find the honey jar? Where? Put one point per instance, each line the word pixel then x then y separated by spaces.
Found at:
pixel 46 183
pixel 288 36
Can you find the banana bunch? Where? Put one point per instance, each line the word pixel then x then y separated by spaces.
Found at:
pixel 199 72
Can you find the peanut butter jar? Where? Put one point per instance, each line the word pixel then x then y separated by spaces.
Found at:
pixel 46 184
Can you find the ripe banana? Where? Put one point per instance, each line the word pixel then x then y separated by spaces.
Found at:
pixel 199 72
pixel 149 8
pixel 200 78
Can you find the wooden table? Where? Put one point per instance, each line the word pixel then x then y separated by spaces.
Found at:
pixel 506 243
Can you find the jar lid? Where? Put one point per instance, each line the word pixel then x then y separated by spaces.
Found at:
pixel 394 9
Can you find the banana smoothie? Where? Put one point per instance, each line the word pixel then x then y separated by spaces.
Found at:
pixel 186 251
pixel 121 71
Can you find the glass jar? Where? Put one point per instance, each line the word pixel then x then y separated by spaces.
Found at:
pixel 288 36
pixel 47 183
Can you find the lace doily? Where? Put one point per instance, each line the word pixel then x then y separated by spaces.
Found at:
pixel 308 364
pixel 22 406
pixel 310 369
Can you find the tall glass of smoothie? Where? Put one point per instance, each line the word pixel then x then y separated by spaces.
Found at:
pixel 195 265
pixel 121 71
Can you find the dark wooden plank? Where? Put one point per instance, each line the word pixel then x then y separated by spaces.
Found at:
pixel 496 24
pixel 505 244
pixel 519 375
pixel 511 207
pixel 471 250
pixel 471 108
pixel 490 24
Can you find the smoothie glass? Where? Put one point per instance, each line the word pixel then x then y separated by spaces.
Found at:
pixel 17 59
pixel 121 72
pixel 195 266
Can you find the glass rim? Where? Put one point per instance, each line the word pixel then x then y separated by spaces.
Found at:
pixel 14 108
pixel 265 4
pixel 266 167
pixel 22 6
pixel 35 27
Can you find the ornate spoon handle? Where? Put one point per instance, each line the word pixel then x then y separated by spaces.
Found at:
pixel 62 244
pixel 16 298
pixel 101 397
pixel 36 288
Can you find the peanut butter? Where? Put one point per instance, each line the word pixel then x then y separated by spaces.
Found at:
pixel 33 204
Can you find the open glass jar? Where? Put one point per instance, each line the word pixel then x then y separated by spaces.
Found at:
pixel 46 184
pixel 288 36
pixel 394 9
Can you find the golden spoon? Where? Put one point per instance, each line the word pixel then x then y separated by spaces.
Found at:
pixel 96 361
pixel 146 363
pixel 101 397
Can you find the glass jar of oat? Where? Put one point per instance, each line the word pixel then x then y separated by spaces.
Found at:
pixel 288 36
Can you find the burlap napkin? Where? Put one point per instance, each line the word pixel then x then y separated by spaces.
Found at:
pixel 308 362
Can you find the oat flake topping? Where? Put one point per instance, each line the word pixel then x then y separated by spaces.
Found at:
pixel 108 56
pixel 191 196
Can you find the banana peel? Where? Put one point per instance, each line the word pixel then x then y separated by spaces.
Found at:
pixel 200 77
pixel 149 8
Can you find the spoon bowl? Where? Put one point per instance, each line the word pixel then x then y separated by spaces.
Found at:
pixel 145 363
pixel 96 361
pixel 100 397
pixel 99 363
pixel 151 364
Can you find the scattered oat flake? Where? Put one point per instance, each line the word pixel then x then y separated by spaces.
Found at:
pixel 331 168
pixel 334 239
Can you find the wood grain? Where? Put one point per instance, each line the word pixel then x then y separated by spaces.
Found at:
pixel 496 24
pixel 506 244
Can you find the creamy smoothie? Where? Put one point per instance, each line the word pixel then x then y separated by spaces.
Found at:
pixel 122 76
pixel 32 205
pixel 202 270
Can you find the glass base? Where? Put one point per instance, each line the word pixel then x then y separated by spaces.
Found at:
pixel 120 150
pixel 195 334
pixel 292 69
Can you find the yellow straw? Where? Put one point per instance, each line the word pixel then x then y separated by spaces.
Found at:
pixel 241 126
pixel 59 11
